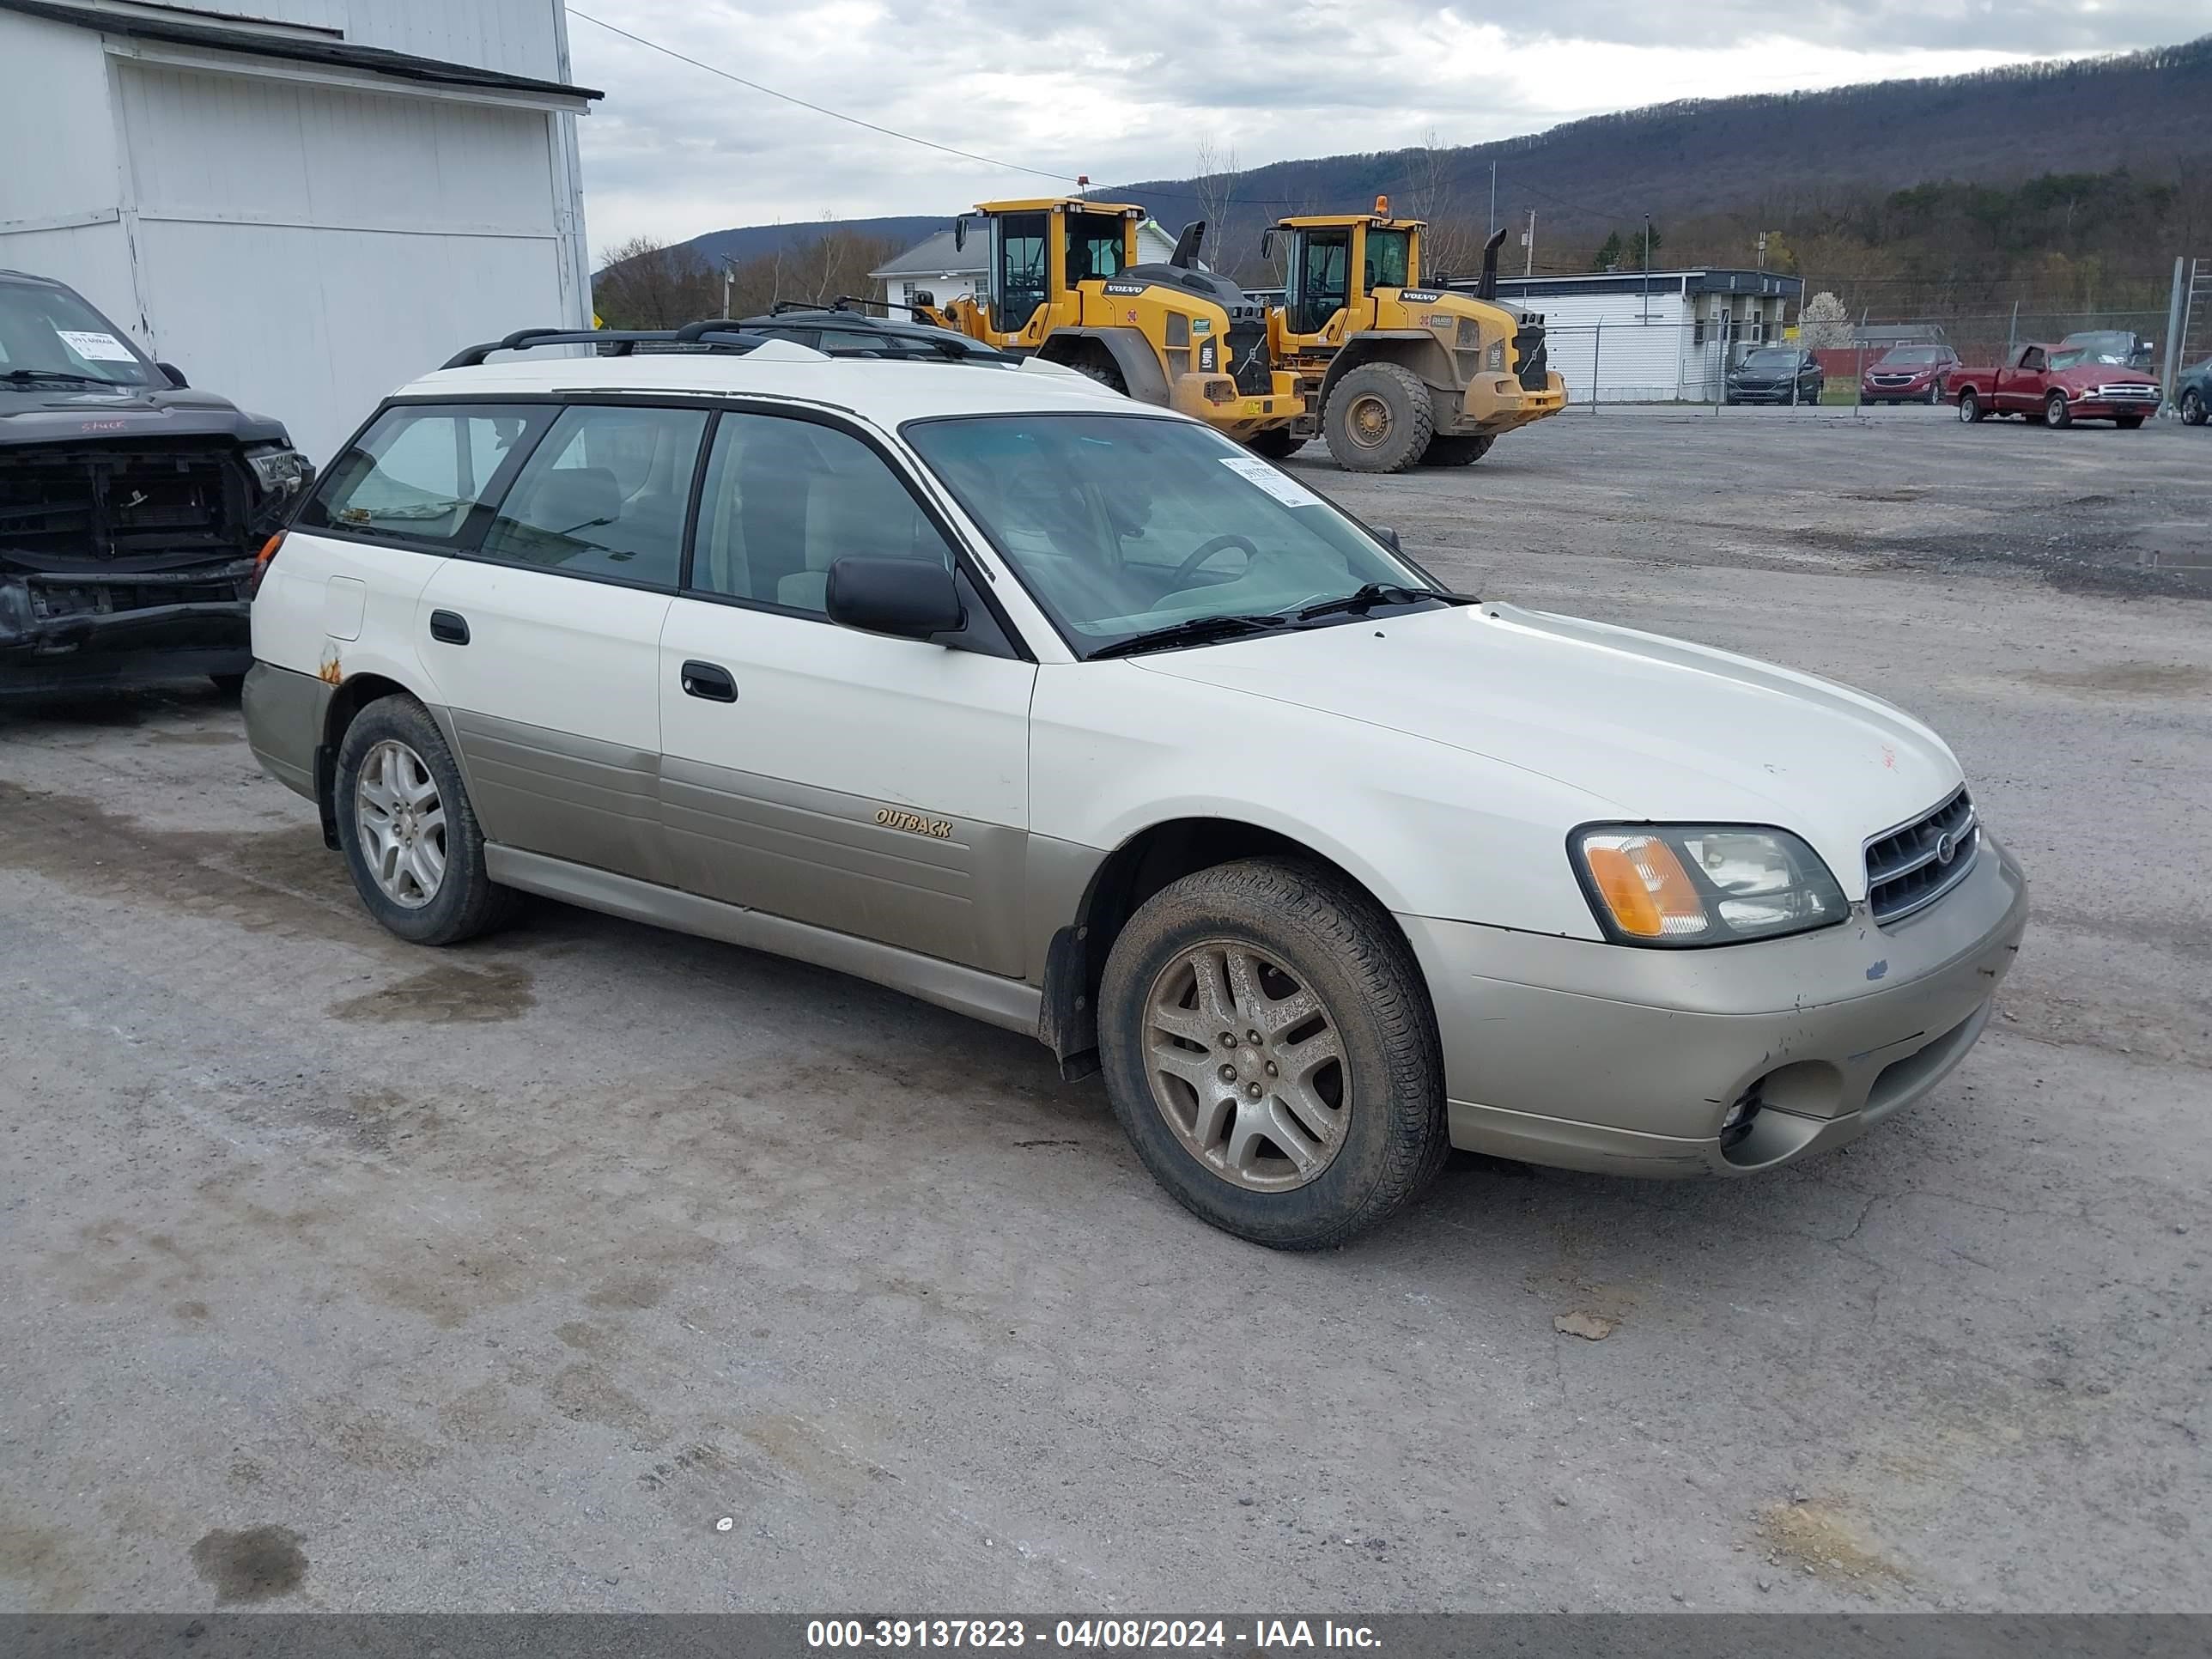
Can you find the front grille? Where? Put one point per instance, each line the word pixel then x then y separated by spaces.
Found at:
pixel 1529 347
pixel 1911 867
pixel 2122 393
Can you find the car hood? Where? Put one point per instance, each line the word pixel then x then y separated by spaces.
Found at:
pixel 2096 375
pixel 59 414
pixel 1648 728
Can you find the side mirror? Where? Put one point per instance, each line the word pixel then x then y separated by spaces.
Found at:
pixel 1267 243
pixel 907 599
pixel 960 232
pixel 925 298
pixel 176 376
pixel 1387 536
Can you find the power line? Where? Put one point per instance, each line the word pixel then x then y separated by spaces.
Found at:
pixel 835 115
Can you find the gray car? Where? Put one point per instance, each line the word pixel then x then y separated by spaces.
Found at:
pixel 2192 393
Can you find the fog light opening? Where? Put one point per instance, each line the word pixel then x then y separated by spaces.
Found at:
pixel 1735 1127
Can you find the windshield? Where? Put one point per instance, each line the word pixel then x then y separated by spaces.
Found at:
pixel 1770 360
pixel 1121 524
pixel 1914 356
pixel 50 337
pixel 2080 355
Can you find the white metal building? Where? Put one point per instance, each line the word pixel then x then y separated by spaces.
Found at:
pixel 935 267
pixel 299 203
pixel 1629 340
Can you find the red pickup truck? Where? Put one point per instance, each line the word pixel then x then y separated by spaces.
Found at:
pixel 2059 386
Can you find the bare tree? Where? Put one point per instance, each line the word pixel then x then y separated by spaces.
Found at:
pixel 1429 192
pixel 645 283
pixel 1215 187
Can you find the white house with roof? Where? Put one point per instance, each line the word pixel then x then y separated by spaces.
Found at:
pixel 299 203
pixel 935 267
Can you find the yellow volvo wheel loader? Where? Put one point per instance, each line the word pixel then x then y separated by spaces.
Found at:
pixel 1402 374
pixel 1065 283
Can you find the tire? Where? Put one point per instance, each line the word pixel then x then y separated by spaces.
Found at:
pixel 2193 411
pixel 228 685
pixel 1300 929
pixel 2056 414
pixel 1969 407
pixel 1935 393
pixel 2127 422
pixel 1456 452
pixel 1277 443
pixel 1097 363
pixel 1385 401
pixel 464 901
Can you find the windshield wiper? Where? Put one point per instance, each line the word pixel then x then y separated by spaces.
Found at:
pixel 1371 594
pixel 51 376
pixel 1196 630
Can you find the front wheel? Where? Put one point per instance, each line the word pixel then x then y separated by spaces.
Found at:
pixel 2193 411
pixel 1935 393
pixel 1378 419
pixel 408 832
pixel 1970 406
pixel 2055 412
pixel 1269 1049
pixel 1456 452
pixel 1277 443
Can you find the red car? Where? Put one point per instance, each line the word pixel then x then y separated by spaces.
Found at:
pixel 2057 387
pixel 1908 374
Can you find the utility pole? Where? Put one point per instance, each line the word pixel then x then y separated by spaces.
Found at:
pixel 729 292
pixel 1762 250
pixel 2012 331
pixel 1493 200
pixel 2177 323
pixel 1528 241
pixel 1647 267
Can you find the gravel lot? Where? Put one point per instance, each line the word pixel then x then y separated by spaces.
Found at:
pixel 340 1274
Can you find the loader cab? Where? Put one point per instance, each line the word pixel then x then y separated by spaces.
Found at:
pixel 1041 249
pixel 1335 264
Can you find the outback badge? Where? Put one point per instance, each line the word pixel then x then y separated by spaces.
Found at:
pixel 894 817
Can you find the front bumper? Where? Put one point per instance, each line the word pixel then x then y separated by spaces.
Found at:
pixel 1498 403
pixel 1769 394
pixel 1603 1057
pixel 64 632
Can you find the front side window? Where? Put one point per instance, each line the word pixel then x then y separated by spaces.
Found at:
pixel 50 337
pixel 786 499
pixel 1019 285
pixel 1388 258
pixel 1124 524
pixel 2031 358
pixel 604 495
pixel 420 470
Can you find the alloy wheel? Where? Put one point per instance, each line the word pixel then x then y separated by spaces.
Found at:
pixel 402 820
pixel 1246 1066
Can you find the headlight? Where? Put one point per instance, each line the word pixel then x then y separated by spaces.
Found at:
pixel 1702 884
pixel 1494 359
pixel 281 471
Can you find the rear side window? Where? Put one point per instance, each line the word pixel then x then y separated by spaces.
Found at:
pixel 603 496
pixel 422 472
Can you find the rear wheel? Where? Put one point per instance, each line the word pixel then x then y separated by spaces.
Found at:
pixel 1270 1050
pixel 1970 406
pixel 408 832
pixel 1456 452
pixel 2055 412
pixel 1276 443
pixel 1094 362
pixel 1378 419
pixel 2192 407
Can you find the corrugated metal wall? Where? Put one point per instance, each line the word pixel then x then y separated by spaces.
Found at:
pixel 302 247
pixel 1603 341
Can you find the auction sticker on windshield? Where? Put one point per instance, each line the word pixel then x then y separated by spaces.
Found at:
pixel 95 348
pixel 1286 489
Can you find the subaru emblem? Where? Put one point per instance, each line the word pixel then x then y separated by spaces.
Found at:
pixel 1947 847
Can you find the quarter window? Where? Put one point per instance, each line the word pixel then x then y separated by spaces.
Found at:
pixel 421 470
pixel 604 495
pixel 784 500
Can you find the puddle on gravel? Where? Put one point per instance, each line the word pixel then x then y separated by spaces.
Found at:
pixel 446 995
pixel 257 1564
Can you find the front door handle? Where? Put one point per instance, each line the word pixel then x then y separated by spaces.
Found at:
pixel 450 627
pixel 705 679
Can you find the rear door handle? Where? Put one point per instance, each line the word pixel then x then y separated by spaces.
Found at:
pixel 705 679
pixel 449 626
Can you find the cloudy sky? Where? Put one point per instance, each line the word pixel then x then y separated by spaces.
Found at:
pixel 674 150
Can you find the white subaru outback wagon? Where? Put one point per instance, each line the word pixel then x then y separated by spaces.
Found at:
pixel 987 683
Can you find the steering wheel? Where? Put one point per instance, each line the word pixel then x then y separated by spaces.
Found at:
pixel 1188 568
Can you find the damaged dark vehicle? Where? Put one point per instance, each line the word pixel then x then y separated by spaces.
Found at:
pixel 132 508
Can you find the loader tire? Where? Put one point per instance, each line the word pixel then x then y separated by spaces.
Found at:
pixel 1378 419
pixel 1277 443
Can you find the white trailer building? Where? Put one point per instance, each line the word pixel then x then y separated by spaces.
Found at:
pixel 301 204
pixel 1621 337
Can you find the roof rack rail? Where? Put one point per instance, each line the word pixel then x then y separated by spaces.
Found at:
pixel 718 333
